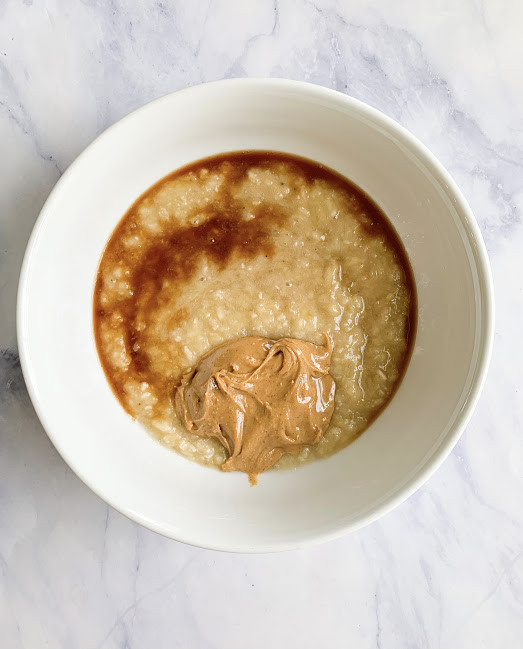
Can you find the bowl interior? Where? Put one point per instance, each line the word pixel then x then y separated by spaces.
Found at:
pixel 157 487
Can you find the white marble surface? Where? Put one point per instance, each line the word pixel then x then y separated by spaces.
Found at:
pixel 445 569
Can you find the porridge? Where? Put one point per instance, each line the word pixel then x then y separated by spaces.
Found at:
pixel 253 244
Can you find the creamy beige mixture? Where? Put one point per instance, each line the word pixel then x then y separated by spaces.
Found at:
pixel 260 399
pixel 260 245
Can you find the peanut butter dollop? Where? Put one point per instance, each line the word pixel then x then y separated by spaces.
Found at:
pixel 260 398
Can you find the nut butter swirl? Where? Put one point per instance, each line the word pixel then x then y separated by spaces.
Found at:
pixel 260 398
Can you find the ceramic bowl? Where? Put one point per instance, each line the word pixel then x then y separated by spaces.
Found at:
pixel 160 489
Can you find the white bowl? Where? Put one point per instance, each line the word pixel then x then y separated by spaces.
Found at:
pixel 160 489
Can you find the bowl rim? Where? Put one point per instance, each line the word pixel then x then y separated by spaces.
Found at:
pixel 428 467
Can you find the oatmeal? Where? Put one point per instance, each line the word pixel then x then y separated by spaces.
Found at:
pixel 253 244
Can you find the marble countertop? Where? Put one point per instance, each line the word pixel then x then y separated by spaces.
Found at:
pixel 443 570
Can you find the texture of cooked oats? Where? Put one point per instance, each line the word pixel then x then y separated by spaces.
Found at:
pixel 253 245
